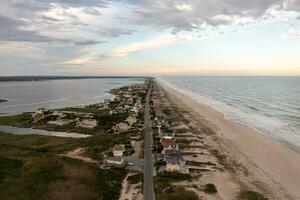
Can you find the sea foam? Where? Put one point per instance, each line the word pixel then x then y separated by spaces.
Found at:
pixel 253 117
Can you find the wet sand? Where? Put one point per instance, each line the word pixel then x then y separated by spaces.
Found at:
pixel 277 166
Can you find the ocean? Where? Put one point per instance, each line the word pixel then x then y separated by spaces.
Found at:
pixel 270 105
pixel 27 96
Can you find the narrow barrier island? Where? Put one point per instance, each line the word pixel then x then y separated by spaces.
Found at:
pixel 3 100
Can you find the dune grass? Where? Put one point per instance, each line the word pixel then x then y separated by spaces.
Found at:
pixel 31 168
pixel 164 189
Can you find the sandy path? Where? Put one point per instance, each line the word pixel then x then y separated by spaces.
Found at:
pixel 266 158
pixel 78 154
pixel 130 192
pixel 137 148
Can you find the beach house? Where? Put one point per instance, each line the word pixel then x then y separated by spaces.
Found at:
pixel 87 123
pixel 38 115
pixel 175 163
pixel 118 150
pixel 121 127
pixel 114 162
pixel 166 141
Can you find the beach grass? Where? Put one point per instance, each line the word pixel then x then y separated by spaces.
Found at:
pixel 164 189
pixel 31 167
pixel 135 178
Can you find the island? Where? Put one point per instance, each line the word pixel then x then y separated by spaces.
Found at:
pixel 3 100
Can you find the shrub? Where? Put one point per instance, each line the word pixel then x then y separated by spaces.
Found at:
pixel 210 188
pixel 135 178
pixel 8 167
pixel 250 195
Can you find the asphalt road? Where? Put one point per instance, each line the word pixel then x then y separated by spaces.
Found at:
pixel 148 167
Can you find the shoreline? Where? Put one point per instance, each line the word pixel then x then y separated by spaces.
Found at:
pixel 97 92
pixel 283 141
pixel 32 131
pixel 263 154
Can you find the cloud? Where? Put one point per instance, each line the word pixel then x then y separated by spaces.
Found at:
pixel 291 5
pixel 10 31
pixel 157 42
pixel 46 20
pixel 87 42
pixel 183 7
pixel 114 32
pixel 70 32
pixel 175 15
pixel 22 49
pixel 80 3
pixel 230 19
pixel 78 61
pixel 291 33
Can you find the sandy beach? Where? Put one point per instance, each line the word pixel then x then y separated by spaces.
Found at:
pixel 267 161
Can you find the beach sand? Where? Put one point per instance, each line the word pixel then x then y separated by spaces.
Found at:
pixel 269 164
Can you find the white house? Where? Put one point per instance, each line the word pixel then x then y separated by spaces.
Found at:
pixel 115 161
pixel 118 150
pixel 88 123
pixel 39 114
pixel 60 122
pixel 122 127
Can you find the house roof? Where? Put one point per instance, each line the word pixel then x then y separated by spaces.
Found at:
pixel 116 158
pixel 167 141
pixel 174 159
pixel 118 148
pixel 171 152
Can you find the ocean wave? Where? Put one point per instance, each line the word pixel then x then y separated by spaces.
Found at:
pixel 253 117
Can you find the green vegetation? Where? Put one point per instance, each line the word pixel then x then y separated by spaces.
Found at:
pixel 176 193
pixel 36 167
pixel 17 120
pixel 210 188
pixel 107 121
pixel 135 178
pixel 87 109
pixel 165 191
pixel 31 168
pixel 250 195
pixel 222 158
pixel 141 154
pixel 172 176
pixel 25 120
pixel 8 167
pixel 3 100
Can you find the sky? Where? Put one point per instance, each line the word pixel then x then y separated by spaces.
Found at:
pixel 149 37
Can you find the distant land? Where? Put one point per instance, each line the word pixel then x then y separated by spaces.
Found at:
pixel 43 78
pixel 3 100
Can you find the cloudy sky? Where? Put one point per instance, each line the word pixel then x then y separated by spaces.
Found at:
pixel 150 37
